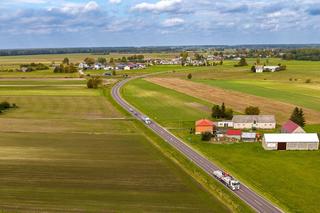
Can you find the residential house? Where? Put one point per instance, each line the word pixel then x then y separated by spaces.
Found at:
pixel 204 125
pixel 291 127
pixel 294 141
pixel 271 68
pixel 224 124
pixel 254 121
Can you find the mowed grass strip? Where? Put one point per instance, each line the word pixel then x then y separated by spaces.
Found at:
pixel 81 172
pixel 236 100
pixel 282 176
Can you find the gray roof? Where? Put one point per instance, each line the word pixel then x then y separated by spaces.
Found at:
pixel 252 118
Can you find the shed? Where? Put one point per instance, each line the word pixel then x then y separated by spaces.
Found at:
pixel 204 125
pixel 291 127
pixel 248 136
pixel 234 133
pixel 294 141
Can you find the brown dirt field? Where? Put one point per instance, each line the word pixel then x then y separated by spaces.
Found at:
pixel 236 100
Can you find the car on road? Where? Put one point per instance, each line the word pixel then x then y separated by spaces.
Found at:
pixel 146 120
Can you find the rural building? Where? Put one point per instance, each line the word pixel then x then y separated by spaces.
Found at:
pixel 224 124
pixel 259 69
pixel 248 136
pixel 204 125
pixel 271 68
pixel 233 133
pixel 294 141
pixel 254 121
pixel 291 127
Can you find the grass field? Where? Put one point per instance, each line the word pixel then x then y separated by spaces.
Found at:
pixel 281 176
pixel 68 149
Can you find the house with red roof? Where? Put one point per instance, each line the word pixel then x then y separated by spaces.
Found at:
pixel 204 125
pixel 234 134
pixel 291 127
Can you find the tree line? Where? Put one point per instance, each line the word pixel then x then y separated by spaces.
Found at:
pixel 302 54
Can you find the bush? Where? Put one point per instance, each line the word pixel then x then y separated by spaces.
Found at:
pixel 189 76
pixel 94 82
pixel 308 81
pixel 206 136
pixel 251 110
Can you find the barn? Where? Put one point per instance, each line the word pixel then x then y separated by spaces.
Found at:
pixel 204 125
pixel 254 121
pixel 291 141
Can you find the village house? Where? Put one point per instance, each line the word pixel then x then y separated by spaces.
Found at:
pixel 293 141
pixel 254 121
pixel 204 125
pixel 291 127
pixel 224 124
pixel 261 69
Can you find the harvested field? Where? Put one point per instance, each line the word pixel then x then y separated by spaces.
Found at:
pixel 238 101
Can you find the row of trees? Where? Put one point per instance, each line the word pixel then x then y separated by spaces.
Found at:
pixel 302 54
pixel 221 112
pixel 33 67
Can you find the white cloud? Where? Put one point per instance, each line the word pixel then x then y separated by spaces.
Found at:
pixel 74 8
pixel 172 22
pixel 160 6
pixel 115 1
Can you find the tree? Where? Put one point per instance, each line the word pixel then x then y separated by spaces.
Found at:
pixel 258 61
pixel 206 136
pixel 94 82
pixel 66 61
pixel 89 61
pixel 184 55
pixel 216 111
pixel 189 76
pixel 124 59
pixel 297 116
pixel 102 60
pixel 251 110
pixel 223 110
pixel 111 61
pixel 253 69
pixel 228 114
pixel 242 63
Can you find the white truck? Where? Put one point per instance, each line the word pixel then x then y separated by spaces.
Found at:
pixel 228 180
pixel 146 120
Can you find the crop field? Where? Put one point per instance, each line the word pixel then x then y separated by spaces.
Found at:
pixel 68 149
pixel 281 176
pixel 236 100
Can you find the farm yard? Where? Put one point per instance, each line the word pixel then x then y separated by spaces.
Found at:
pixel 67 148
pixel 248 162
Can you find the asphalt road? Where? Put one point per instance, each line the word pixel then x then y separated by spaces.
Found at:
pixel 258 203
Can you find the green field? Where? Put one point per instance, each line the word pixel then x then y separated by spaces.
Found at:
pixel 68 149
pixel 281 176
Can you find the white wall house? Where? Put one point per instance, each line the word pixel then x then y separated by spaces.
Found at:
pixel 224 124
pixel 259 69
pixel 254 121
pixel 293 141
pixel 271 68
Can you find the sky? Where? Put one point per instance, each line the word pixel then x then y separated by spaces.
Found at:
pixel 93 23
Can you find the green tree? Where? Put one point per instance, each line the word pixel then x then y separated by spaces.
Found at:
pixel 89 61
pixel 228 114
pixel 297 116
pixel 223 110
pixel 102 60
pixel 252 110
pixel 206 136
pixel 66 61
pixel 216 111
pixel 184 55
pixel 242 63
pixel 189 76
pixel 94 82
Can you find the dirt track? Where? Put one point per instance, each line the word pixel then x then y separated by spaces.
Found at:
pixel 236 100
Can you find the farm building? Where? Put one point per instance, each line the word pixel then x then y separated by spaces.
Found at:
pixel 204 125
pixel 294 141
pixel 259 69
pixel 291 127
pixel 271 68
pixel 254 121
pixel 248 136
pixel 224 124
pixel 233 133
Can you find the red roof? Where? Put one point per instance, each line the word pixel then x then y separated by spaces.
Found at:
pixel 290 126
pixel 204 122
pixel 233 132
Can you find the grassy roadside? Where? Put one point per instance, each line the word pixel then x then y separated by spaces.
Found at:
pixel 213 186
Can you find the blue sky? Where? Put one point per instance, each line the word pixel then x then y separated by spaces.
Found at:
pixel 74 23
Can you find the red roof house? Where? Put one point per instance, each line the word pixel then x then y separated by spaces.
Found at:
pixel 291 127
pixel 204 125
